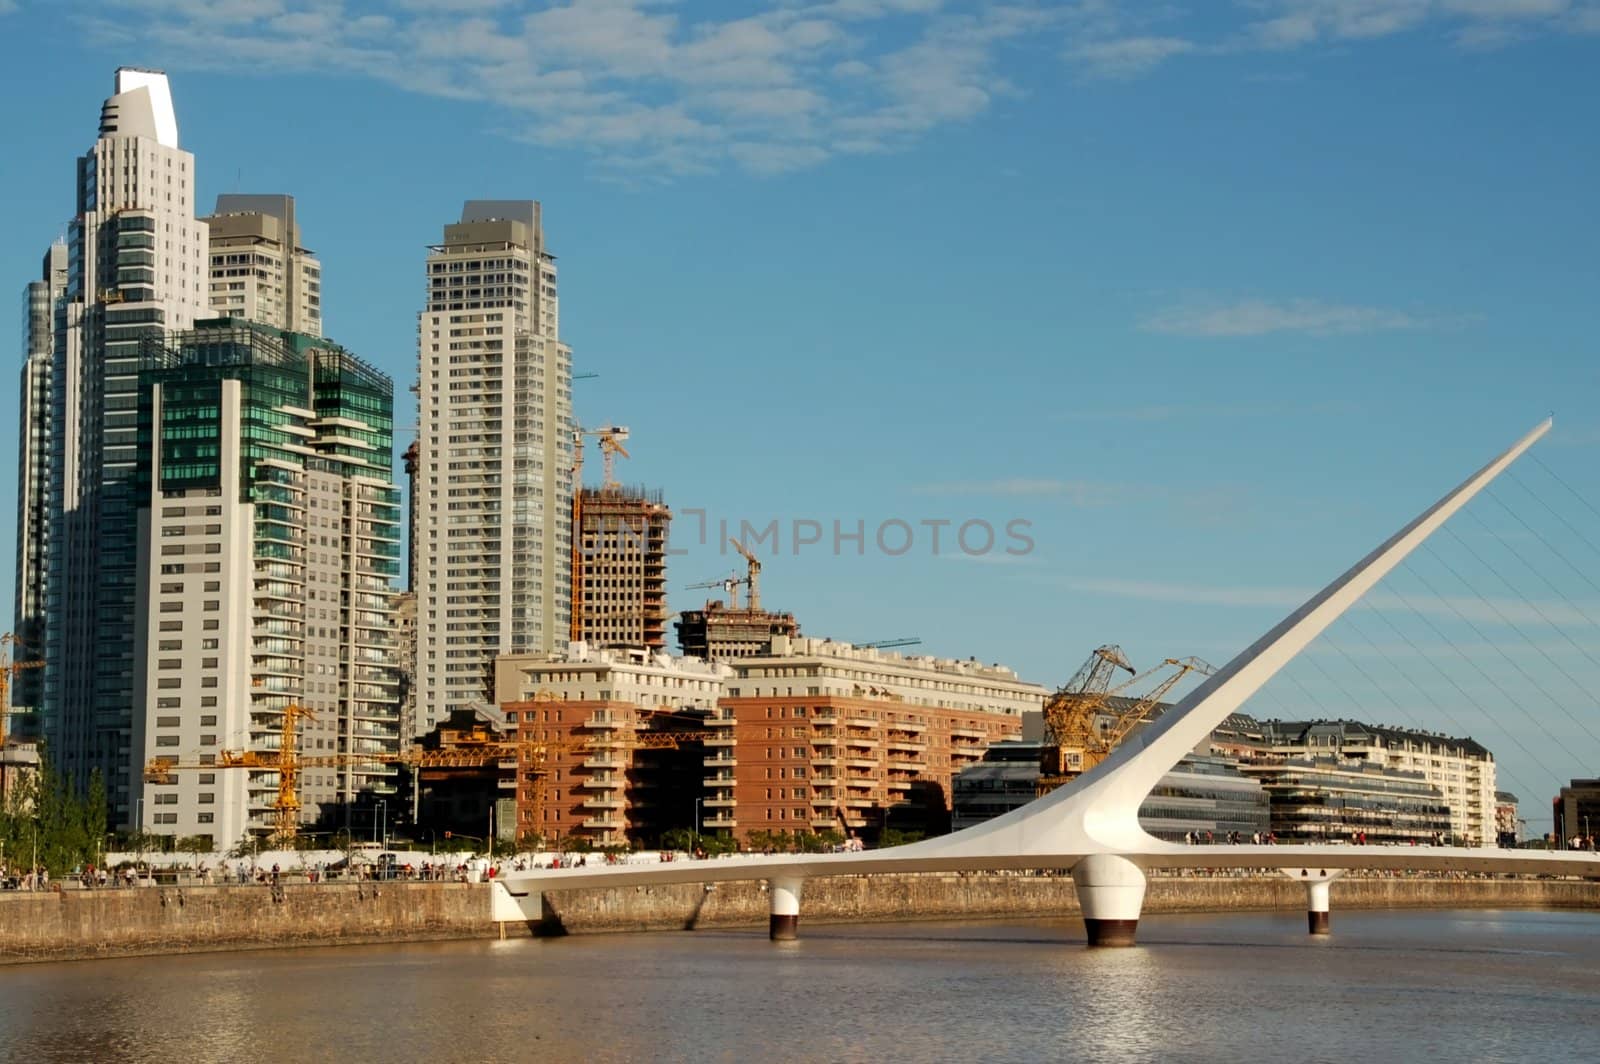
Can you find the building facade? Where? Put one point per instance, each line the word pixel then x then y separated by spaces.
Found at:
pixel 269 534
pixel 1204 796
pixel 1326 798
pixel 720 632
pixel 830 737
pixel 36 439
pixel 622 568
pixel 1462 769
pixel 611 775
pixel 259 270
pixel 136 263
pixel 492 507
pixel 1576 815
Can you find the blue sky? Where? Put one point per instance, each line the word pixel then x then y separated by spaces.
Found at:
pixel 1213 296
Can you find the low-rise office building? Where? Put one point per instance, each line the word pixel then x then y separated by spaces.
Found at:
pixel 833 737
pixel 1331 799
pixel 613 772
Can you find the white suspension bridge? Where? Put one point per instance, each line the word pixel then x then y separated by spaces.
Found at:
pixel 1090 827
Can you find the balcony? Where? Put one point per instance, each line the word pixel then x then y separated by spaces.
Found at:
pixel 604 803
pixel 860 762
pixel 726 821
pixel 718 803
pixel 607 722
pixel 603 783
pixel 719 761
pixel 968 733
pixel 603 761
pixel 604 823
pixel 718 740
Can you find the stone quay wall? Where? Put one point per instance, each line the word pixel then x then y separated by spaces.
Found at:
pixel 85 924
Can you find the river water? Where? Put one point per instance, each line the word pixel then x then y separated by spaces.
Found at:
pixel 1387 986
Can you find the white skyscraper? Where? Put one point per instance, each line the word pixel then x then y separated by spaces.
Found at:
pixel 259 271
pixel 493 501
pixel 136 265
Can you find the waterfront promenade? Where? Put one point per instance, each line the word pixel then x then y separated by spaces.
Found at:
pixel 74 923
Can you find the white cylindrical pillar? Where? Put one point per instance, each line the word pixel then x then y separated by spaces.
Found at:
pixel 1317 905
pixel 784 893
pixel 1111 895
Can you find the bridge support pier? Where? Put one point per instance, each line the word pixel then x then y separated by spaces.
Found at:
pixel 1317 882
pixel 1111 895
pixel 784 895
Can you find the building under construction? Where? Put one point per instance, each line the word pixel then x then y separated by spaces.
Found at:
pixel 720 632
pixel 621 571
pixel 723 631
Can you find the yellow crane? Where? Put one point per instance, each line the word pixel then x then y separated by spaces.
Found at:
pixel 1083 724
pixel 479 747
pixel 8 671
pixel 753 573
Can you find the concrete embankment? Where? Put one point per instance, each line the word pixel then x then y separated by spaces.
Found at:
pixel 82 924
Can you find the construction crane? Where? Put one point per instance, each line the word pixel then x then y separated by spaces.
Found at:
pixel 1082 726
pixel 729 584
pixel 611 437
pixel 883 644
pixel 753 577
pixel 476 748
pixel 8 671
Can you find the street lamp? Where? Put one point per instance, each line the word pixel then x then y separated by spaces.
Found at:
pixel 697 821
pixel 378 812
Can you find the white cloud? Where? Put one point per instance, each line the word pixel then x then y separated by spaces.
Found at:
pixel 767 87
pixel 1257 317
pixel 649 87
pixel 1127 56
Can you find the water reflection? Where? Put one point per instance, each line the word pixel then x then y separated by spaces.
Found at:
pixel 1387 986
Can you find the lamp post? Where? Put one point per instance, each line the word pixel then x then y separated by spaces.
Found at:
pixel 33 869
pixel 378 812
pixel 697 821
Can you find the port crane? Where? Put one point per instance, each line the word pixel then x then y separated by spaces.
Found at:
pixel 1082 722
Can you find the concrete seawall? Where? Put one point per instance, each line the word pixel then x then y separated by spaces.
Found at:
pixel 76 924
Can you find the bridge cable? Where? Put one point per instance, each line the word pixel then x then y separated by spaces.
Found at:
pixel 1487 716
pixel 1540 499
pixel 1405 714
pixel 1551 547
pixel 1537 686
pixel 1443 712
pixel 1575 607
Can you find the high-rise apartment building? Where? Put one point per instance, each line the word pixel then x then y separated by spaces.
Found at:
pixel 259 271
pixel 33 483
pixel 622 568
pixel 136 263
pixel 269 539
pixel 492 519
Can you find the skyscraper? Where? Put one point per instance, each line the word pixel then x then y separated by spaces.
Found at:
pixel 492 518
pixel 136 263
pixel 259 271
pixel 269 539
pixel 33 482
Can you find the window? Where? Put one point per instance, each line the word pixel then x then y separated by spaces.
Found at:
pixel 205 818
pixel 208 721
pixel 208 777
pixel 166 722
